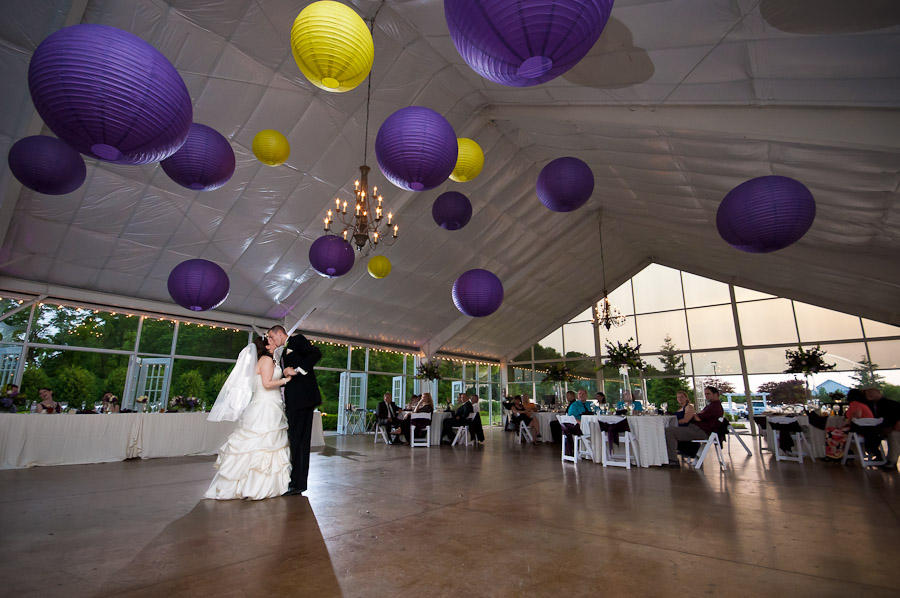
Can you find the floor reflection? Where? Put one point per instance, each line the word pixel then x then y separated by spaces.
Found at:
pixel 233 547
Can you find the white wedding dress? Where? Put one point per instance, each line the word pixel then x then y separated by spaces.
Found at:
pixel 255 461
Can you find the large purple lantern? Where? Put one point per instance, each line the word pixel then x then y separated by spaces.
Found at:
pixel 331 256
pixel 205 161
pixel 477 293
pixel 198 285
pixel 452 210
pixel 46 165
pixel 565 184
pixel 524 42
pixel 416 148
pixel 109 94
pixel 766 214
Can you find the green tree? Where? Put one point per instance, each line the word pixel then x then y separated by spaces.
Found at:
pixel 77 386
pixel 785 392
pixel 115 381
pixel 214 384
pixel 723 385
pixel 661 390
pixel 865 373
pixel 190 384
pixel 34 379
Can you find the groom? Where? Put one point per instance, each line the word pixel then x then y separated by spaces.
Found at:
pixel 301 396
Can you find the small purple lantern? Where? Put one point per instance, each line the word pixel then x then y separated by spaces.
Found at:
pixel 565 184
pixel 452 210
pixel 524 42
pixel 198 285
pixel 477 293
pixel 331 256
pixel 766 214
pixel 46 165
pixel 109 94
pixel 416 148
pixel 205 161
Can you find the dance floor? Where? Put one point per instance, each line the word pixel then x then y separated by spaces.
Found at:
pixel 497 520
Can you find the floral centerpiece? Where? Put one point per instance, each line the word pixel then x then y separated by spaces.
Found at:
pixel 429 370
pixel 179 403
pixel 558 373
pixel 142 399
pixel 806 362
pixel 624 355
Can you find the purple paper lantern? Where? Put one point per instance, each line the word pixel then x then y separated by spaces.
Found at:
pixel 416 148
pixel 766 214
pixel 524 42
pixel 331 256
pixel 205 161
pixel 477 293
pixel 109 94
pixel 198 285
pixel 565 184
pixel 452 210
pixel 46 165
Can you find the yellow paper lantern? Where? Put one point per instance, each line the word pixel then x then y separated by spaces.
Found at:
pixel 379 266
pixel 271 147
pixel 470 161
pixel 332 46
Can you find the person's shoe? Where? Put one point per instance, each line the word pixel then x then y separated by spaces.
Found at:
pixel 294 491
pixel 888 467
pixel 672 464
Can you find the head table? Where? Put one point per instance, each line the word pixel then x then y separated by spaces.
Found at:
pixel 27 440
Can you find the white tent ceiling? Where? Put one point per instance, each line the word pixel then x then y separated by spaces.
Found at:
pixel 678 102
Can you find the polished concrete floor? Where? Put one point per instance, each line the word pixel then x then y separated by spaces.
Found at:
pixel 498 520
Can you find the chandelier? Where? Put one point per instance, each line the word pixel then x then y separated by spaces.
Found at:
pixel 605 313
pixel 364 223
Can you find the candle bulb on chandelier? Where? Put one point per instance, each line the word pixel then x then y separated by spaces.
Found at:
pixel 376 239
pixel 357 209
pixel 337 204
pixel 390 215
pixel 345 208
pixel 395 230
pixel 356 184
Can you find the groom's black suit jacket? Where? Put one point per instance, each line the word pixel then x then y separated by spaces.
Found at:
pixel 302 392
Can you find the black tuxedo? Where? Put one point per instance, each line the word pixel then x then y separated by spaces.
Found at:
pixel 388 412
pixel 459 419
pixel 301 396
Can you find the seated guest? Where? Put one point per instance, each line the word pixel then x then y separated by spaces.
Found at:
pixel 889 412
pixel 388 414
pixel 581 406
pixel 411 403
pixel 702 425
pixel 460 417
pixel 423 405
pixel 600 398
pixel 47 404
pixel 521 413
pixel 570 398
pixel 685 413
pixel 857 405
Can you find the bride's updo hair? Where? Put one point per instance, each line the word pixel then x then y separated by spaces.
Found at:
pixel 261 349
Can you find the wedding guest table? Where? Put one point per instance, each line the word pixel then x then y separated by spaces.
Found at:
pixel 27 440
pixel 815 434
pixel 437 422
pixel 649 433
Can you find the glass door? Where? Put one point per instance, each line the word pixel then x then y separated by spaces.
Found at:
pixel 148 377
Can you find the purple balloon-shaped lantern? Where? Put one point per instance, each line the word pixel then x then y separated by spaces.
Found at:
pixel 46 165
pixel 766 214
pixel 205 161
pixel 565 184
pixel 109 94
pixel 524 42
pixel 477 293
pixel 452 210
pixel 331 256
pixel 416 148
pixel 198 285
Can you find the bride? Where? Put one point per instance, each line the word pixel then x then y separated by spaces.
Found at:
pixel 255 461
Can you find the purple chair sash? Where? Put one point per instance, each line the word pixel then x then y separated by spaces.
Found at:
pixel 785 442
pixel 570 430
pixel 613 430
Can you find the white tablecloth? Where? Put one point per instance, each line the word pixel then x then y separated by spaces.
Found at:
pixel 649 434
pixel 27 440
pixel 437 422
pixel 815 436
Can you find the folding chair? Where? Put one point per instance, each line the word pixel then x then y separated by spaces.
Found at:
pixel 789 425
pixel 712 441
pixel 581 448
pixel 859 428
pixel 524 432
pixel 735 435
pixel 612 424
pixel 462 432
pixel 419 429
pixel 381 429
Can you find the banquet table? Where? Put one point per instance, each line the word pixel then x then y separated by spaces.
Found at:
pixel 815 435
pixel 27 440
pixel 437 422
pixel 649 434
